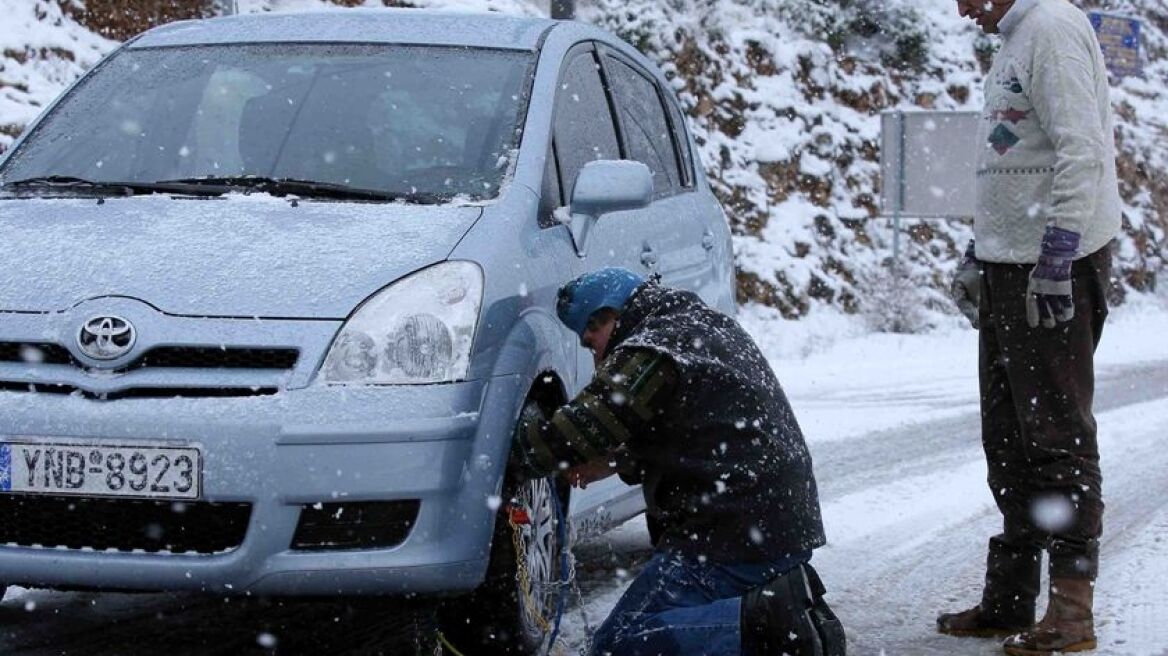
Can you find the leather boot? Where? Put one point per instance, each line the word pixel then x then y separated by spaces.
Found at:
pixel 977 622
pixel 1068 626
pixel 1013 576
pixel 788 615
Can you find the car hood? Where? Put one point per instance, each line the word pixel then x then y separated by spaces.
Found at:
pixel 234 256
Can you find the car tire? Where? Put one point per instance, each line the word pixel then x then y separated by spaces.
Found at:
pixel 495 619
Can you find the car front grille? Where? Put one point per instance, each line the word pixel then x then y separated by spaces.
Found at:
pixel 182 357
pixel 34 353
pixel 140 392
pixel 219 358
pixel 124 525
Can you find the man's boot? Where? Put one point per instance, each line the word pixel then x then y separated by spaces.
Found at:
pixel 1013 576
pixel 788 615
pixel 1068 625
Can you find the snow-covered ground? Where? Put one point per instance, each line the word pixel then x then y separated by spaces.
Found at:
pixel 842 377
pixel 892 421
pixel 893 426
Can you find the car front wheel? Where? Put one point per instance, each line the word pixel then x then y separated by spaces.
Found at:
pixel 514 611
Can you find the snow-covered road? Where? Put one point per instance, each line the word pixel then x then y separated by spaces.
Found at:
pixel 908 514
pixel 893 427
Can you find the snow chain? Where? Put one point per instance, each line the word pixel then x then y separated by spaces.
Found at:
pixel 521 574
pixel 516 518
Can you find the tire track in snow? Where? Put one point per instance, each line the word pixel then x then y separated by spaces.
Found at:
pixel 849 465
pixel 1134 597
pixel 908 515
pixel 889 579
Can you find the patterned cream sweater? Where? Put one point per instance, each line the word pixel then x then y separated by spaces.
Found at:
pixel 1048 151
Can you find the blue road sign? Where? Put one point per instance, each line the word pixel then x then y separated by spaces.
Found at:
pixel 1119 37
pixel 5 468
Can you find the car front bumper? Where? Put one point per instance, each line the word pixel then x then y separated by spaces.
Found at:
pixel 443 445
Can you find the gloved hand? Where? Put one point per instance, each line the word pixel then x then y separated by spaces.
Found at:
pixel 966 286
pixel 1048 296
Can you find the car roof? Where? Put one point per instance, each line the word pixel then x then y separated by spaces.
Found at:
pixel 401 26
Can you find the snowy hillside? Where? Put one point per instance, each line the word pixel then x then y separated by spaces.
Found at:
pixel 42 49
pixel 784 97
pixel 786 94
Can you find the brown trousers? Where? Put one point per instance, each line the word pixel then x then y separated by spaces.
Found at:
pixel 1037 387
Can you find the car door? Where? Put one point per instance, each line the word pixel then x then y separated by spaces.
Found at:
pixel 583 131
pixel 671 239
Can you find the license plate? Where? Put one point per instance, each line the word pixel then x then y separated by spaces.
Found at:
pixel 82 469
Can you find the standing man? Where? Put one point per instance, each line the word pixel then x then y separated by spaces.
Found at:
pixel 684 403
pixel 1048 207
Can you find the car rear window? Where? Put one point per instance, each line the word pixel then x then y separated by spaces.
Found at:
pixel 401 119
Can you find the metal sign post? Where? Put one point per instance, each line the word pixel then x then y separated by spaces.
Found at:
pixel 898 204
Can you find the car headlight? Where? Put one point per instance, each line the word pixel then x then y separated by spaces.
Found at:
pixel 418 330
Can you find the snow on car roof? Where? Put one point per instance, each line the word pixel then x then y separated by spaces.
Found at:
pixel 405 26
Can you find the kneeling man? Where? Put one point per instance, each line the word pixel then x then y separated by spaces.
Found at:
pixel 684 404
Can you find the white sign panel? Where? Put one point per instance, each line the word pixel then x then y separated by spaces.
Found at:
pixel 928 164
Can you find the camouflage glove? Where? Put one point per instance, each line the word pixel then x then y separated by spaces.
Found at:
pixel 966 286
pixel 522 459
pixel 1048 296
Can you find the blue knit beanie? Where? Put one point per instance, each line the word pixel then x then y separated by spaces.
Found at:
pixel 609 287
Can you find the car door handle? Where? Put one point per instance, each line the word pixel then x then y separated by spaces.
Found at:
pixel 648 256
pixel 708 240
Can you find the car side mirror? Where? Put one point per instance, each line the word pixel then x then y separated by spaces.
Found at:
pixel 606 186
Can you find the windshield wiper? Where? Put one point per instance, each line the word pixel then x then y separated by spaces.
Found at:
pixel 216 186
pixel 302 188
pixel 70 182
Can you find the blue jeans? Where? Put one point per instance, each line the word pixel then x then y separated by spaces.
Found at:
pixel 678 605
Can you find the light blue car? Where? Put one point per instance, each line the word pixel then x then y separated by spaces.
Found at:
pixel 277 289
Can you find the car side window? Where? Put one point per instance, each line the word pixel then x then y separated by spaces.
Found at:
pixel 647 132
pixel 584 130
pixel 550 198
pixel 681 138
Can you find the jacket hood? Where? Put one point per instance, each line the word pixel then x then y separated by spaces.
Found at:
pixel 646 300
pixel 235 256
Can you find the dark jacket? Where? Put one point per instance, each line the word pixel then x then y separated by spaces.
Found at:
pixel 696 415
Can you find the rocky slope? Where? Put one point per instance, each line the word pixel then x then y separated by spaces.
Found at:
pixel 784 97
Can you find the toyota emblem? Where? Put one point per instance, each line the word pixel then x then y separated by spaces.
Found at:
pixel 106 338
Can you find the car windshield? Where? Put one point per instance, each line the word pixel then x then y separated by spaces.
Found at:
pixel 414 122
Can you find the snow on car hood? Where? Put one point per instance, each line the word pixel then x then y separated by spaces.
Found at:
pixel 235 256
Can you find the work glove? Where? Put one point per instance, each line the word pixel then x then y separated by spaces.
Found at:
pixel 522 460
pixel 966 286
pixel 1048 296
